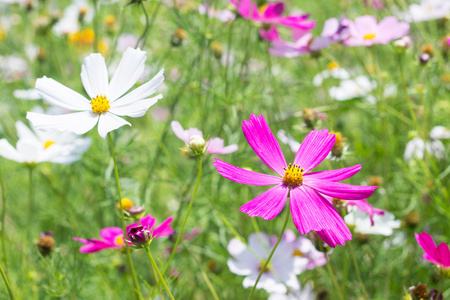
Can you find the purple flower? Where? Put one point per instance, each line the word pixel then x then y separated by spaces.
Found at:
pixel 214 145
pixel 112 237
pixel 139 235
pixel 310 210
pixel 365 31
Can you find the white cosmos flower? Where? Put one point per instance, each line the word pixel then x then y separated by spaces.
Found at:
pixel 305 293
pixel 248 261
pixel 106 103
pixel 348 89
pixel 35 147
pixel 334 71
pixel 382 224
pixel 417 147
pixel 426 10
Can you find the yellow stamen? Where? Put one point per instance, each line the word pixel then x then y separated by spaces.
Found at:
pixel 48 143
pixel 100 104
pixel 118 240
pixel 268 267
pixel 293 175
pixel 332 65
pixel 298 253
pixel 369 36
pixel 126 204
pixel 263 7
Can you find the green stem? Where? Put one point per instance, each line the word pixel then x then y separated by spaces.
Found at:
pixel 180 234
pixel 3 195
pixel 137 289
pixel 155 267
pixel 147 26
pixel 266 263
pixel 333 279
pixel 357 271
pixel 8 286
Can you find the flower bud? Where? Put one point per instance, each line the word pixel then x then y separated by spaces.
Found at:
pixel 46 243
pixel 338 147
pixel 139 235
pixel 419 292
pixel 403 43
pixel 136 211
pixel 424 58
pixel 427 48
pixel 217 49
pixel 375 180
pixel 178 37
pixel 197 144
pixel 412 218
pixel 127 204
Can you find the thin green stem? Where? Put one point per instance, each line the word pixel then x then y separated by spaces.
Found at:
pixel 8 286
pixel 266 263
pixel 361 283
pixel 3 195
pixel 180 234
pixel 137 288
pixel 155 267
pixel 147 26
pixel 333 279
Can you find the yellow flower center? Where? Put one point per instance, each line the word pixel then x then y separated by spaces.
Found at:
pixel 263 8
pixel 298 253
pixel 100 104
pixel 293 175
pixel 369 36
pixel 48 143
pixel 332 65
pixel 126 204
pixel 118 240
pixel 268 267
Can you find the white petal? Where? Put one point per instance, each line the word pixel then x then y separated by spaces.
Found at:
pixel 23 132
pixel 94 75
pixel 134 109
pixel 54 93
pixel 143 91
pixel 8 151
pixel 127 73
pixel 440 132
pixel 29 150
pixel 79 123
pixel 108 122
pixel 414 148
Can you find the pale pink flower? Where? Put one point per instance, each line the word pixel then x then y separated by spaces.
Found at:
pixel 365 31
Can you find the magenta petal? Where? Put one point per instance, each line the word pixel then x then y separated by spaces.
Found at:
pixel 273 10
pixel 164 229
pixel 267 205
pixel 247 8
pixel 263 142
pixel 93 245
pixel 310 211
pixel 148 221
pixel 334 175
pixel 110 233
pixel 443 254
pixel 314 148
pixel 335 237
pixel 244 176
pixel 340 190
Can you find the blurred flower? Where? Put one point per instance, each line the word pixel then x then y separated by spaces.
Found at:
pixel 416 147
pixel 363 223
pixel 213 146
pixel 424 58
pixel 306 256
pixel 439 255
pixel 126 41
pixel 112 237
pixel 46 243
pixel 78 11
pixel 107 103
pixel 223 15
pixel 271 13
pixel 13 68
pixel 348 89
pixel 249 260
pixel 334 30
pixel 35 146
pixel 310 210
pixel 178 37
pixel 426 10
pixel 364 206
pixel 126 204
pixel 30 94
pixel 403 43
pixel 365 31
pixel 305 293
pixel 334 71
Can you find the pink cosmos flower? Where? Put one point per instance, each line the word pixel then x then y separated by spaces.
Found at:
pixel 365 31
pixel 271 13
pixel 113 237
pixel 214 145
pixel 439 255
pixel 310 210
pixel 334 31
